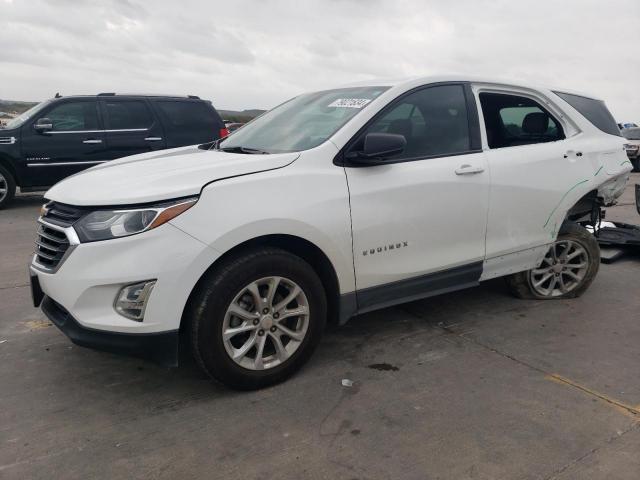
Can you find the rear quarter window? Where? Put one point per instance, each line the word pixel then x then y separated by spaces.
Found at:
pixel 189 122
pixel 593 110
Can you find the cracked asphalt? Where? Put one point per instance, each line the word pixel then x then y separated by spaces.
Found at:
pixel 471 385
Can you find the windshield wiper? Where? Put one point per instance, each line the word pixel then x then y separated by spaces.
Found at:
pixel 253 151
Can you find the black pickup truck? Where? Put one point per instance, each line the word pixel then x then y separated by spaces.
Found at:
pixel 64 135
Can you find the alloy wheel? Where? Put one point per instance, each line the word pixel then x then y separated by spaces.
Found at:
pixel 562 270
pixel 4 187
pixel 265 323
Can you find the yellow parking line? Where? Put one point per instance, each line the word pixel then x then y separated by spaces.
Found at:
pixel 628 410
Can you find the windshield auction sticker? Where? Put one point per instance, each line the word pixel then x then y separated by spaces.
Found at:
pixel 349 103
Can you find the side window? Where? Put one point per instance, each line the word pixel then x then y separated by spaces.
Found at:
pixel 511 120
pixel 71 116
pixel 593 110
pixel 187 115
pixel 188 122
pixel 128 115
pixel 433 120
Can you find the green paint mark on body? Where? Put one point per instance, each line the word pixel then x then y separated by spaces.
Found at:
pixel 561 200
pixel 596 174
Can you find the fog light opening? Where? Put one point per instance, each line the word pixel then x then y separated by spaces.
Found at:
pixel 131 301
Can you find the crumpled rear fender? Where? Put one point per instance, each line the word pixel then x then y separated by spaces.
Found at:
pixel 610 190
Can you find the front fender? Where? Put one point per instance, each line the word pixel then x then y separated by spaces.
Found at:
pixel 308 202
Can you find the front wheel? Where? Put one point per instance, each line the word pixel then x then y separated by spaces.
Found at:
pixel 257 318
pixel 636 164
pixel 566 271
pixel 7 187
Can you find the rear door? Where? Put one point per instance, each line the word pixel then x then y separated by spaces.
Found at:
pixel 75 142
pixel 131 127
pixel 536 166
pixel 188 121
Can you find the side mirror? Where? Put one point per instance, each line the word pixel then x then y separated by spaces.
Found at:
pixel 43 125
pixel 378 146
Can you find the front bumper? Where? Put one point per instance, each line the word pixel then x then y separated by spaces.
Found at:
pixel 159 347
pixel 86 284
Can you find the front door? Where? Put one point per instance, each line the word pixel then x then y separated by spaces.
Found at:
pixel 75 142
pixel 419 219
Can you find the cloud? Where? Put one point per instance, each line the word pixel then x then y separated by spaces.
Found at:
pixel 244 54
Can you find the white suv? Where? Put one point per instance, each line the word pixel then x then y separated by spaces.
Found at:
pixel 332 204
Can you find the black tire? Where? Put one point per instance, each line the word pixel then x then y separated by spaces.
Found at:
pixel 520 283
pixel 636 164
pixel 216 292
pixel 7 181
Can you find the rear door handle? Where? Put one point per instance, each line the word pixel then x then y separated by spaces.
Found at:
pixel 153 139
pixel 92 140
pixel 467 169
pixel 572 152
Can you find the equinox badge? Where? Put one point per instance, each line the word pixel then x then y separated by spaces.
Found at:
pixel 385 248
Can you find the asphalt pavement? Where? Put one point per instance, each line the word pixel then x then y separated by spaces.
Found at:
pixel 475 384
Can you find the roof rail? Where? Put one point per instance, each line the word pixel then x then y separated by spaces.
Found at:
pixel 114 94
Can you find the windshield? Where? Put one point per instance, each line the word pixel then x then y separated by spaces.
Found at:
pixel 20 119
pixel 631 133
pixel 302 123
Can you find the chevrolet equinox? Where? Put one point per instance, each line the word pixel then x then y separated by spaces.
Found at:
pixel 335 203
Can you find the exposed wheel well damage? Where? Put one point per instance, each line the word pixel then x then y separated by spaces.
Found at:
pixel 583 207
pixel 300 247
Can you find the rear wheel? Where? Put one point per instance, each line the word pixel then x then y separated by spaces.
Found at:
pixel 566 271
pixel 7 187
pixel 257 319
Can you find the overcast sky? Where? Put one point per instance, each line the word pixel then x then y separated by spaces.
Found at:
pixel 255 54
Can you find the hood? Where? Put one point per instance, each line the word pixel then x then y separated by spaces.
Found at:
pixel 157 176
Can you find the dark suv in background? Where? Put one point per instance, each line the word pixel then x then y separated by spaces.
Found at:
pixel 64 135
pixel 633 146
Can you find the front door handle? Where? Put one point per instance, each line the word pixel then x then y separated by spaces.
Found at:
pixel 467 169
pixel 92 140
pixel 572 152
pixel 153 139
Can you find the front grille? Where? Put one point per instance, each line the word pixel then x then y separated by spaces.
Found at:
pixel 51 245
pixel 61 214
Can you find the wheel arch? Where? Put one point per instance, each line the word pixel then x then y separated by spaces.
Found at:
pixel 583 207
pixel 298 246
pixel 6 163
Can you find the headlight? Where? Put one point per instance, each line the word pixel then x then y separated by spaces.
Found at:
pixel 107 224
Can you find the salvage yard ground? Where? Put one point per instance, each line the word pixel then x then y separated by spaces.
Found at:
pixel 473 384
